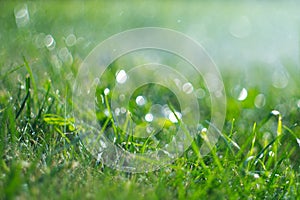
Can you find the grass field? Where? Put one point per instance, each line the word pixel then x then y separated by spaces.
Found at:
pixel 42 45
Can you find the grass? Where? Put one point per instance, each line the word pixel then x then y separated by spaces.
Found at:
pixel 42 156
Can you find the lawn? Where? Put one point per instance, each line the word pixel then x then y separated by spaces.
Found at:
pixel 44 119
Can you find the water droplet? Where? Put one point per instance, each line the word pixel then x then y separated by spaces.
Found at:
pixel 121 77
pixel 260 101
pixel 106 91
pixel 256 176
pixel 187 88
pixel 21 15
pixel 149 117
pixel 243 94
pixel 49 42
pixel 173 117
pixel 275 112
pixel 140 100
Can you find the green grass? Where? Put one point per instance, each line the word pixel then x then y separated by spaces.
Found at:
pixel 42 156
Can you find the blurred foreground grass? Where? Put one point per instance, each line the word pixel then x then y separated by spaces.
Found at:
pixel 41 155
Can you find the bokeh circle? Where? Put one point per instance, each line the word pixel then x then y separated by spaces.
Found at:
pixel 89 77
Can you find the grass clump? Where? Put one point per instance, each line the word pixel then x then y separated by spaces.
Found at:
pixel 43 157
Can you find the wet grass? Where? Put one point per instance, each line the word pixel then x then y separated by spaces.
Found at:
pixel 42 156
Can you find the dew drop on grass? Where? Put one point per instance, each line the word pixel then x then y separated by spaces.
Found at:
pixel 204 130
pixel 49 42
pixel 121 76
pixel 243 94
pixel 256 176
pixel 173 117
pixel 275 112
pixel 149 117
pixel 240 93
pixel 140 100
pixel 106 91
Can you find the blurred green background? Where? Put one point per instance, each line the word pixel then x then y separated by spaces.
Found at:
pixel 235 34
pixel 254 44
